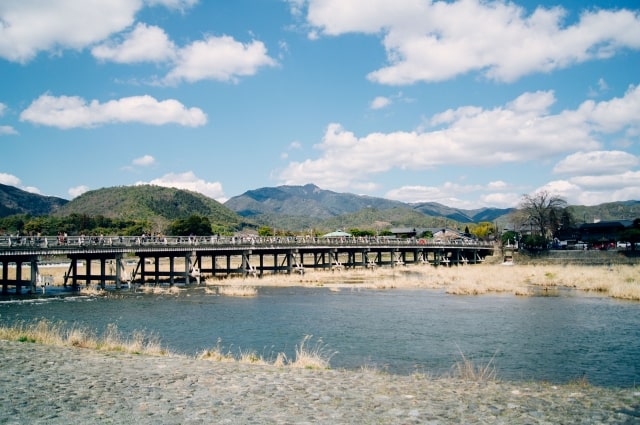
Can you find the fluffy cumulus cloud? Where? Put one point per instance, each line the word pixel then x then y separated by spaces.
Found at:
pixel 142 44
pixel 493 194
pixel 144 161
pixel 11 180
pixel 189 181
pixel 380 102
pixel 435 41
pixel 108 28
pixel 76 191
pixel 71 111
pixel 31 26
pixel 593 190
pixel 520 131
pixel 218 58
pixel 596 163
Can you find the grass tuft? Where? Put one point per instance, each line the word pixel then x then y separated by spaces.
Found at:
pixel 238 291
pixel 470 371
pixel 314 357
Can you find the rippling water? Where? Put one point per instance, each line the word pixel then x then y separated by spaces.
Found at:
pixel 557 338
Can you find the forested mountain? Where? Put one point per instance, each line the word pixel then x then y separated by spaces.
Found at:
pixel 309 206
pixel 305 201
pixel 460 215
pixel 608 211
pixel 285 208
pixel 159 205
pixel 17 201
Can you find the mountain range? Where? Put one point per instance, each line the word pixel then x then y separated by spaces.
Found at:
pixel 292 208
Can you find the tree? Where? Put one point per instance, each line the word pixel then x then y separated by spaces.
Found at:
pixel 632 234
pixel 194 225
pixel 482 230
pixel 509 238
pixel 544 212
pixel 265 231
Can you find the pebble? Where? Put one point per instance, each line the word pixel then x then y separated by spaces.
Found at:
pixel 42 384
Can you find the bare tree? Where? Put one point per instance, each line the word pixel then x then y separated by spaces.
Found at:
pixel 544 211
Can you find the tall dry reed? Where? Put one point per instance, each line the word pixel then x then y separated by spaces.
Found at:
pixel 61 334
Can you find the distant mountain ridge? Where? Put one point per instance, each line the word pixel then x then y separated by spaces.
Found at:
pixel 17 201
pixel 310 204
pixel 306 201
pixel 461 215
pixel 292 208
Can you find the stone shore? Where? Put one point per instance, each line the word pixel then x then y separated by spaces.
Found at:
pixel 42 384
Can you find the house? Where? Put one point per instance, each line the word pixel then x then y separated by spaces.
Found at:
pixel 603 234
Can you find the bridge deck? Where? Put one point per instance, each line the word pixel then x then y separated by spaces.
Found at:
pixel 202 256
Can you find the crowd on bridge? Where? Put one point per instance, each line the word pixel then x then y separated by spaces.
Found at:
pixel 62 239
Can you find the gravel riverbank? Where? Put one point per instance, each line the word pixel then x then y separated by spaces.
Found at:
pixel 59 385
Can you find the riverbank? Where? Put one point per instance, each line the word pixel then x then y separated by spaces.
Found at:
pixel 45 384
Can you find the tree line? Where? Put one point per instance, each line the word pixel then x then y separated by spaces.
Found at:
pixel 83 224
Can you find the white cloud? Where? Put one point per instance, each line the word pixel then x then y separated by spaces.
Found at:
pixel 494 194
pixel 596 163
pixel 143 44
pixel 11 180
pixel 380 102
pixel 435 41
pixel 74 192
pixel 144 161
pixel 189 181
pixel 594 190
pixel 173 4
pixel 32 26
pixel 71 111
pixel 521 131
pixel 7 130
pixel 614 115
pixel 218 58
pixel 28 27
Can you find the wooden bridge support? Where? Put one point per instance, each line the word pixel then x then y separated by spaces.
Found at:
pixel 224 260
pixel 19 282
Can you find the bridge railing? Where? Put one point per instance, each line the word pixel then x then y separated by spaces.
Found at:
pixel 31 242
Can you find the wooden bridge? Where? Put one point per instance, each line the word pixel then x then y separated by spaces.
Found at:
pixel 104 260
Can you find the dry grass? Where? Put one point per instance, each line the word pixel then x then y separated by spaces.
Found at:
pixel 237 291
pixel 161 290
pixel 470 371
pixel 315 356
pixel 92 291
pixel 618 281
pixel 59 334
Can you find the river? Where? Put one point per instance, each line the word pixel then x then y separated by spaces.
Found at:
pixel 558 338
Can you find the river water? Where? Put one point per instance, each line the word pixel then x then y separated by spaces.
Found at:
pixel 560 338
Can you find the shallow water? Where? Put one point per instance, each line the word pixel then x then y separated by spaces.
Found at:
pixel 559 338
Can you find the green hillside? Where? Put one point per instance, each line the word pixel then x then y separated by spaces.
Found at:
pixel 17 201
pixel 159 205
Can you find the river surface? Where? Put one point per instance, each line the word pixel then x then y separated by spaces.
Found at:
pixel 560 338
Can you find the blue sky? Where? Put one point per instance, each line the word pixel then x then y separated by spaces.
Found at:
pixel 468 103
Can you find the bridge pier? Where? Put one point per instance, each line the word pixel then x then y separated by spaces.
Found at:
pixel 289 257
